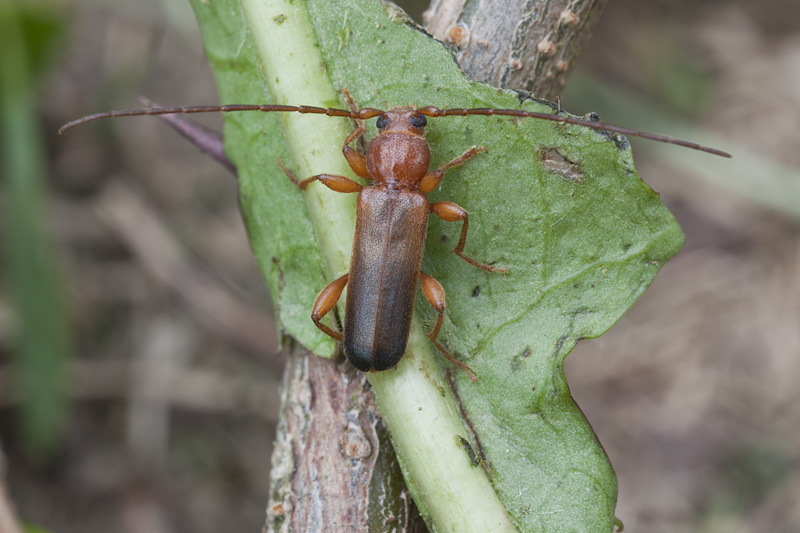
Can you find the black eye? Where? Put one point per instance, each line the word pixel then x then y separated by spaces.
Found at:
pixel 382 122
pixel 418 121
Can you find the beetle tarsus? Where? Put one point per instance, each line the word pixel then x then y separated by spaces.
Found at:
pixel 460 364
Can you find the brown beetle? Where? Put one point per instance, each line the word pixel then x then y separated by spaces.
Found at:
pixel 391 224
pixel 391 221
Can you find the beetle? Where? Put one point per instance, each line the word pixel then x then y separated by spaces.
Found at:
pixel 391 220
pixel 391 225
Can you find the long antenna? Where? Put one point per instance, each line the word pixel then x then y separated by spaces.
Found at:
pixel 367 113
pixel 488 111
pixel 363 114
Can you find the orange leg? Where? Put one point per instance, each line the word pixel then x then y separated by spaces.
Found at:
pixel 432 179
pixel 325 302
pixel 331 181
pixel 434 293
pixel 450 212
pixel 356 160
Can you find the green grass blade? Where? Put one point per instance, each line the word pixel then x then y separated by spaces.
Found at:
pixel 37 291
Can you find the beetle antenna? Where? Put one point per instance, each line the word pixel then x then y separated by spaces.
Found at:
pixel 431 111
pixel 362 114
pixel 367 113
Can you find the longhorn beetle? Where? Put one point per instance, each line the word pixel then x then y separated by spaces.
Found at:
pixel 391 220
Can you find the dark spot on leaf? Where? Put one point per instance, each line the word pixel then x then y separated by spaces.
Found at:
pixel 476 291
pixel 575 285
pixel 621 142
pixel 626 246
pixel 525 96
pixel 559 344
pixel 473 459
pixel 443 238
pixel 516 361
pixel 483 460
pixel 558 164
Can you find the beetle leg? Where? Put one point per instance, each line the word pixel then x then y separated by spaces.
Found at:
pixel 432 179
pixel 325 302
pixel 450 212
pixel 351 102
pixel 356 160
pixel 434 293
pixel 332 181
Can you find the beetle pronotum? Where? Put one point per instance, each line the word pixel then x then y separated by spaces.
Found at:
pixel 391 220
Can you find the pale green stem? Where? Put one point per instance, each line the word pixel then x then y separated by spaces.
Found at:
pixel 415 399
pixel 284 42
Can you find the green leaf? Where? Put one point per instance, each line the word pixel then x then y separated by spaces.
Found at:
pixel 561 206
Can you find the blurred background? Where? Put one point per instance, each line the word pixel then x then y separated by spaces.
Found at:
pixel 139 365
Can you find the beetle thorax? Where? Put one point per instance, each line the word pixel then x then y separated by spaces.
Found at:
pixel 398 157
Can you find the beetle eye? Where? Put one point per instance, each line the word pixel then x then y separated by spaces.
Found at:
pixel 382 122
pixel 418 121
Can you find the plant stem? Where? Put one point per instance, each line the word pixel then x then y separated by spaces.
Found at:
pixel 531 45
pixel 418 406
